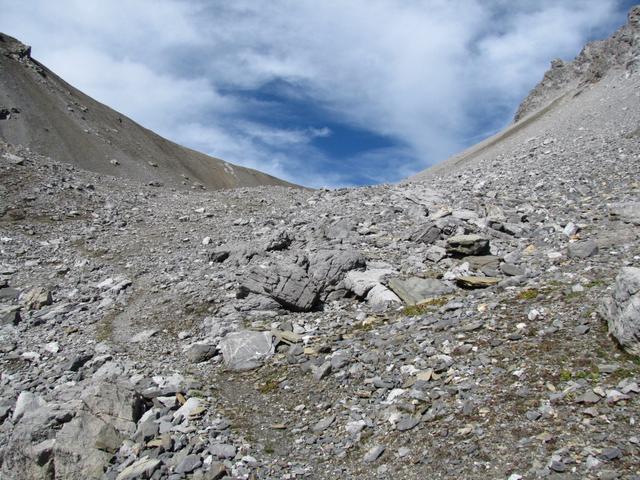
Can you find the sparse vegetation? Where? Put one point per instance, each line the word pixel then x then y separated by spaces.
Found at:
pixel 424 307
pixel 529 294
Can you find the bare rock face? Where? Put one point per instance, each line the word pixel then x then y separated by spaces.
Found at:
pixel 622 310
pixel 298 283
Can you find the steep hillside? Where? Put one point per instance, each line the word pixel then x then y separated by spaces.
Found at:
pixel 41 111
pixel 598 93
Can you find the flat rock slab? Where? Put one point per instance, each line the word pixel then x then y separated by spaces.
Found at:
pixel 143 468
pixel 246 349
pixel 476 282
pixel 416 290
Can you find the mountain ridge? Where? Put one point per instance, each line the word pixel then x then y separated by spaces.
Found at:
pixel 572 86
pixel 44 112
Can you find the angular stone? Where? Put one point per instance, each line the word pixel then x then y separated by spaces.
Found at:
pixel 25 403
pixel 200 352
pixel 84 447
pixel 36 298
pixel 323 424
pixel 374 453
pixel 222 451
pixel 407 422
pixel 511 270
pixel 189 464
pixel 428 234
pixel 115 403
pixel 190 408
pixel 478 262
pixel 142 468
pixel 622 310
pixel 246 349
pixel 589 397
pixel 361 282
pixel 416 290
pixel 322 371
pixel 328 267
pixel 583 249
pixel 219 256
pixel 466 245
pixel 10 315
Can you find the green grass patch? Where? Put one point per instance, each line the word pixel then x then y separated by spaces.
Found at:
pixel 565 376
pixel 528 294
pixel 424 307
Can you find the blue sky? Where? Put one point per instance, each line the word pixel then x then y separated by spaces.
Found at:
pixel 331 93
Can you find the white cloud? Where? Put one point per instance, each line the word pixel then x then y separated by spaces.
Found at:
pixel 417 71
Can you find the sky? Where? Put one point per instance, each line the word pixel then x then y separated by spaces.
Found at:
pixel 321 93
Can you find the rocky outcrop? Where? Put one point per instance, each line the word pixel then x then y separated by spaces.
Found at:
pixel 298 283
pixel 622 310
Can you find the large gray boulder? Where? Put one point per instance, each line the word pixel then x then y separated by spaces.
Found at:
pixel 297 283
pixel 622 310
pixel 75 440
pixel 84 447
pixel 115 403
pixel 287 284
pixel 28 454
pixel 428 234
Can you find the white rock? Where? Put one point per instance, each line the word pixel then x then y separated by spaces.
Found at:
pixel 27 402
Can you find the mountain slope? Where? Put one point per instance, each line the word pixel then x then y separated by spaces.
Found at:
pixel 41 111
pixel 597 92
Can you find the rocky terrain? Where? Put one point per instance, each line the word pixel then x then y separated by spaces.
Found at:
pixel 41 111
pixel 478 321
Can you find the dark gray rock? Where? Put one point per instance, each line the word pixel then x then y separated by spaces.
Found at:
pixel 189 464
pixel 465 245
pixel 427 234
pixel 328 267
pixel 10 315
pixel 201 352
